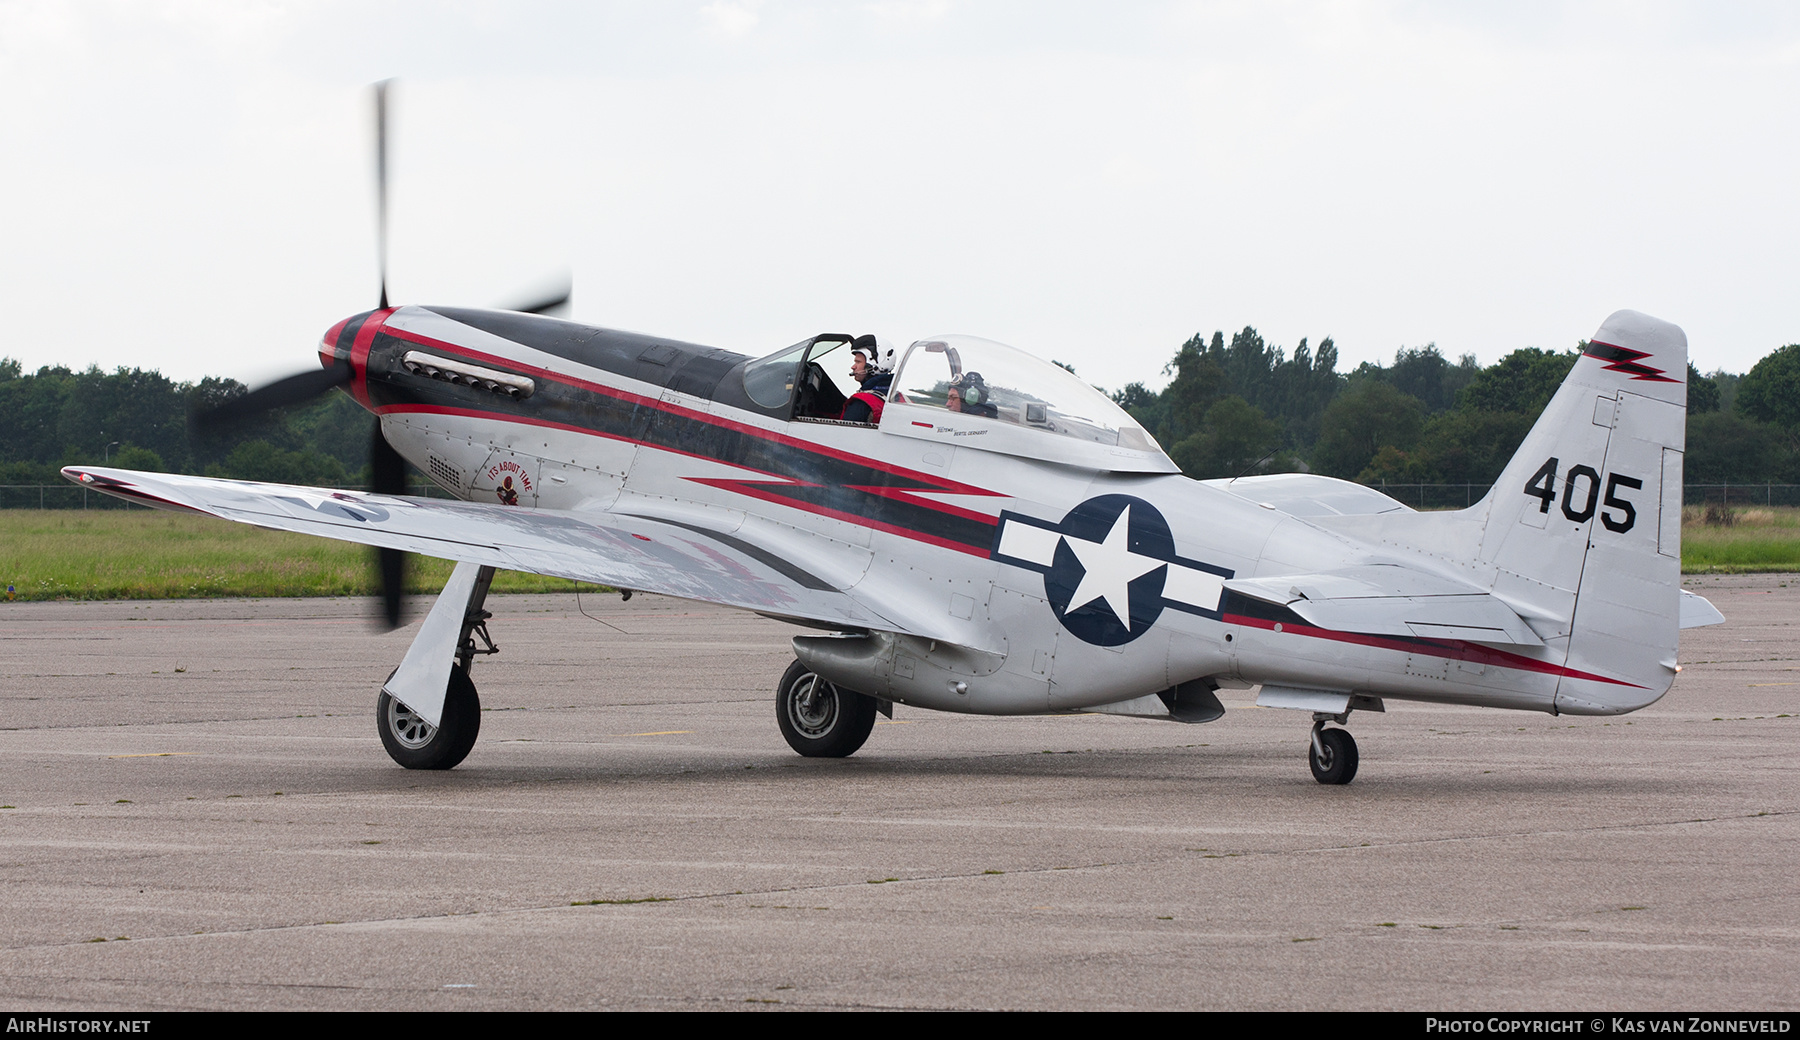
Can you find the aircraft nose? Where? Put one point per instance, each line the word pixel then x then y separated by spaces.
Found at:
pixel 348 343
pixel 329 351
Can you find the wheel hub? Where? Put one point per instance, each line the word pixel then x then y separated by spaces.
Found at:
pixel 408 726
pixel 814 707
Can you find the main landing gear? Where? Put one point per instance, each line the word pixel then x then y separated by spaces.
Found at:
pixel 820 719
pixel 448 636
pixel 416 743
pixel 1333 754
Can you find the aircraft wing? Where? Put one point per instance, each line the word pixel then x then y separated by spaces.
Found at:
pixel 682 559
pixel 1392 600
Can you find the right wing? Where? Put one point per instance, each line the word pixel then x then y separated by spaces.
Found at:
pixel 675 557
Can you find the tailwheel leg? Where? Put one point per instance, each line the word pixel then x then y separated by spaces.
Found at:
pixel 1333 754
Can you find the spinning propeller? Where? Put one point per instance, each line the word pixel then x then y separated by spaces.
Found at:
pixel 387 467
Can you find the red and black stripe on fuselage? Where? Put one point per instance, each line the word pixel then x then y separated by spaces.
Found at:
pixel 786 469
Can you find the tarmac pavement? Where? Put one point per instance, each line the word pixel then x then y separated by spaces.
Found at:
pixel 199 784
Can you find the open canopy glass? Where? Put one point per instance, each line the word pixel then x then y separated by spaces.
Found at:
pixel 981 378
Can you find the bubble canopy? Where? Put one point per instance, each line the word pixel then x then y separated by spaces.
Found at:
pixel 1001 388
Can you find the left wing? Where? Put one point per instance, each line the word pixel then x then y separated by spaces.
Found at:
pixel 684 558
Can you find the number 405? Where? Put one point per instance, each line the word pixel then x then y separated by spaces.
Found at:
pixel 1542 486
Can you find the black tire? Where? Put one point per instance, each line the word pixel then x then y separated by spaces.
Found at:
pixel 819 719
pixel 1338 764
pixel 415 743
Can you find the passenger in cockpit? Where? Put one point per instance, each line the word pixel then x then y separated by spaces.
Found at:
pixel 969 395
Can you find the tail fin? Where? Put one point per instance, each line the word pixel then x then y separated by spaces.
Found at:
pixel 1581 535
pixel 1591 504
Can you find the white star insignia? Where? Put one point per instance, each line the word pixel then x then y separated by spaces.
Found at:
pixel 1108 569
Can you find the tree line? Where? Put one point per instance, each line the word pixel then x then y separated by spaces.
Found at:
pixel 1230 407
pixel 138 419
pixel 1243 406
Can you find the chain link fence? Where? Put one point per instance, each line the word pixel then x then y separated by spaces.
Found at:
pixel 1742 495
pixel 1461 496
pixel 1435 496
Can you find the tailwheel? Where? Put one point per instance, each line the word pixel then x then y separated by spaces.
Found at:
pixel 819 719
pixel 1332 755
pixel 417 744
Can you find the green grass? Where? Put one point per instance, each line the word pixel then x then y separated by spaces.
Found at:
pixel 1758 539
pixel 140 554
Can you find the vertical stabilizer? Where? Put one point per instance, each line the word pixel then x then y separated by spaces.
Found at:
pixel 1628 607
pixel 1585 522
pixel 1581 534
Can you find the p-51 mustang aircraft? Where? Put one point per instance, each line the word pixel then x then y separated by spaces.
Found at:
pixel 1041 554
pixel 1001 538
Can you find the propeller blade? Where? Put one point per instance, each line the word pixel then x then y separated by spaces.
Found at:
pixel 283 393
pixel 387 467
pixel 381 194
pixel 391 563
pixel 555 298
pixel 387 471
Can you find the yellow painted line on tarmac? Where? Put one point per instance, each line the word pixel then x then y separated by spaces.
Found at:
pixel 661 733
pixel 1773 684
pixel 156 754
pixel 895 722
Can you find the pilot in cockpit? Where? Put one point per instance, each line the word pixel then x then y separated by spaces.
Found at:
pixel 865 405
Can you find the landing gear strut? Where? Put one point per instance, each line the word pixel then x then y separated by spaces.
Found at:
pixel 409 736
pixel 1333 754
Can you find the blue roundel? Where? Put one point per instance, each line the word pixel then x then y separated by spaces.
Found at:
pixel 1105 582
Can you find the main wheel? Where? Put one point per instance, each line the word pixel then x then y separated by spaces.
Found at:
pixel 818 719
pixel 417 744
pixel 1337 765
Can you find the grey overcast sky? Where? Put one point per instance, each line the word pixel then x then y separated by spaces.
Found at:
pixel 187 185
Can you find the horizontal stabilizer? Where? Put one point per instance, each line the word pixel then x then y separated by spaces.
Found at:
pixel 1389 600
pixel 1698 611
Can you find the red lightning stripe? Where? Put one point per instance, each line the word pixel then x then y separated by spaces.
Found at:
pixel 1626 361
pixel 1451 650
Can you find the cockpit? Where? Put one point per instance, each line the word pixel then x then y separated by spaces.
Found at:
pixel 971 392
